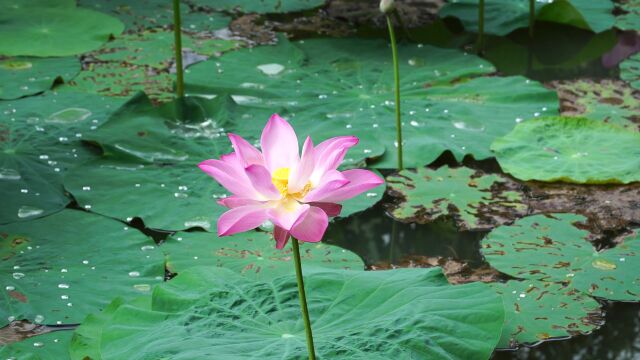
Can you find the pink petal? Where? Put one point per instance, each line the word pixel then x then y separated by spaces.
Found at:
pixel 330 153
pixel 281 236
pixel 299 176
pixel 241 219
pixel 330 208
pixel 360 180
pixel 279 144
pixel 230 176
pixel 331 181
pixel 234 201
pixel 246 152
pixel 311 226
pixel 260 178
pixel 287 213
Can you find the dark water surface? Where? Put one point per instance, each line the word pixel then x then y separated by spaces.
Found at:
pixel 371 235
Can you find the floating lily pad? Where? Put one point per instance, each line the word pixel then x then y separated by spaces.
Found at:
pixel 20 4
pixel 537 311
pixel 346 87
pixel 503 16
pixel 475 200
pixel 570 149
pixel 262 6
pixel 252 254
pixel 355 314
pixel 27 76
pixel 551 248
pixel 629 18
pixel 48 31
pixel 611 101
pixel 156 48
pixel 119 80
pixel 630 71
pixel 39 140
pixel 49 276
pixel 144 14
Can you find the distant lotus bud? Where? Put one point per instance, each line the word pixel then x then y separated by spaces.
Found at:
pixel 386 6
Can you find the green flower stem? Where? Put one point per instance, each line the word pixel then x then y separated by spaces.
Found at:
pixel 177 32
pixel 303 299
pixel 396 76
pixel 532 16
pixel 480 44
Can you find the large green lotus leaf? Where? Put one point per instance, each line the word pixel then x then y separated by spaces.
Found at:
pixel 613 102
pixel 570 149
pixel 39 140
pixel 27 76
pixel 552 248
pixel 173 197
pixel 156 48
pixel 144 14
pixel 54 31
pixel 629 19
pixel 213 311
pixel 121 80
pixel 536 311
pixel 503 16
pixel 261 6
pixel 49 276
pixel 252 254
pixel 51 346
pixel 475 200
pixel 346 87
pixel 630 71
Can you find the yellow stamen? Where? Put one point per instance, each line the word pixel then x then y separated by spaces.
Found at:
pixel 280 179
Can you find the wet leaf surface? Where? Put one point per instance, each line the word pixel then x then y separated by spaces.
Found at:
pixel 39 141
pixel 474 199
pixel 19 330
pixel 409 315
pixel 345 87
pixel 576 150
pixel 23 76
pixel 252 254
pixel 51 277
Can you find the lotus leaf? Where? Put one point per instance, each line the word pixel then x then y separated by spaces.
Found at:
pixel 52 346
pixel 629 18
pixel 206 312
pixel 50 31
pixel 39 140
pixel 49 276
pixel 614 102
pixel 475 200
pixel 552 248
pixel 504 16
pixel 252 254
pixel 345 87
pixel 570 149
pixel 27 76
pixel 630 71
pixel 536 311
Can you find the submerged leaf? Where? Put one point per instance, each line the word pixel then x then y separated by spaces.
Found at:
pixel 475 200
pixel 551 248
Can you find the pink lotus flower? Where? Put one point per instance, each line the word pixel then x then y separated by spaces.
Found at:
pixel 298 193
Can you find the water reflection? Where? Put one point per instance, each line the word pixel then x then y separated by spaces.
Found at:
pixel 379 239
